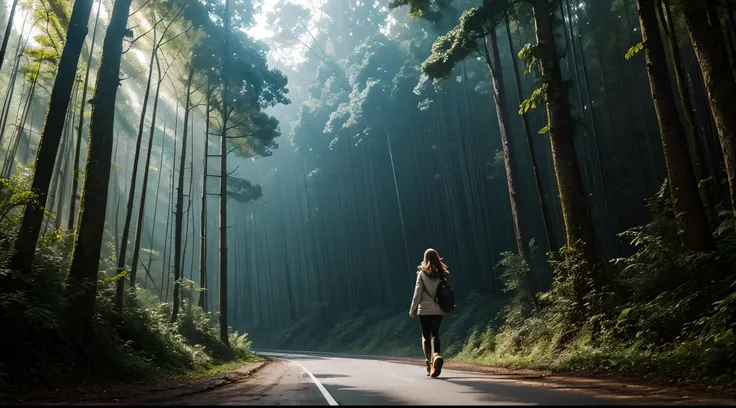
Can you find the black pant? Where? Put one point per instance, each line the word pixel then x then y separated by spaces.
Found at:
pixel 430 334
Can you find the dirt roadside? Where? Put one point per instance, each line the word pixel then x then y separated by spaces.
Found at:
pixel 637 391
pixel 136 392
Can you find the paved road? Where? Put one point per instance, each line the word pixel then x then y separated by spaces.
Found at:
pixel 333 380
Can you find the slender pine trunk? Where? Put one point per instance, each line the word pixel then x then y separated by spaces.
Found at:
pixel 65 166
pixel 144 186
pixel 223 181
pixel 86 253
pixel 688 111
pixel 719 82
pixel 11 154
pixel 692 222
pixel 80 129
pixel 120 283
pixel 179 218
pixel 203 209
pixel 8 30
pixel 28 234
pixel 155 206
pixel 493 60
pixel 549 234
pixel 578 225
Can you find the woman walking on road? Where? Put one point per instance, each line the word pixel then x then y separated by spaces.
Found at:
pixel 429 273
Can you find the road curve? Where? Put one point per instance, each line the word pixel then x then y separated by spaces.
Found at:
pixel 336 380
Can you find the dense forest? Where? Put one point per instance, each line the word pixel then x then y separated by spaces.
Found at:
pixel 278 167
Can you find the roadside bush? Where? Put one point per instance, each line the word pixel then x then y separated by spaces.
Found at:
pixel 656 315
pixel 138 343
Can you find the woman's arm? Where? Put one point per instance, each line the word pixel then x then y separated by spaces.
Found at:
pixel 417 295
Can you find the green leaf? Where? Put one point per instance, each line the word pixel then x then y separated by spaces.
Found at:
pixel 531 103
pixel 544 130
pixel 634 50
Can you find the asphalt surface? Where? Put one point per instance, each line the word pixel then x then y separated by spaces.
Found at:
pixel 296 379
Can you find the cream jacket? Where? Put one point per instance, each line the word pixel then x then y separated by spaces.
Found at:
pixel 422 302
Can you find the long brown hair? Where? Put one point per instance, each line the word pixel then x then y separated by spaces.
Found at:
pixel 432 264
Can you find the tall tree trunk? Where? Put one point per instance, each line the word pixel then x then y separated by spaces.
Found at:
pixel 116 224
pixel 547 220
pixel 578 226
pixel 8 30
pixel 155 206
pixel 80 129
pixel 10 155
pixel 172 206
pixel 687 106
pixel 493 60
pixel 179 219
pixel 285 257
pixel 203 209
pixel 719 81
pixel 714 17
pixel 64 165
pixel 19 49
pixel 86 253
pixel 25 244
pixel 120 283
pixel 144 186
pixel 57 173
pixel 223 180
pixel 693 225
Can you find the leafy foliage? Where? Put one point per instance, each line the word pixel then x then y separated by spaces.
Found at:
pixel 243 191
pixel 634 50
pixel 531 103
pixel 140 342
pixel 656 316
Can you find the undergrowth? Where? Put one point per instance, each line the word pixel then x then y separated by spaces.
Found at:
pixel 139 343
pixel 659 312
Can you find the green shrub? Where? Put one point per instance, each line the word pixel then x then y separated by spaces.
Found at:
pixel 138 343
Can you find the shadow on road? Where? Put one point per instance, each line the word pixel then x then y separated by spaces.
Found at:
pixel 489 391
pixel 323 376
pixel 347 395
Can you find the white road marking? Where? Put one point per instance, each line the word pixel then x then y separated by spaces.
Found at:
pixel 319 385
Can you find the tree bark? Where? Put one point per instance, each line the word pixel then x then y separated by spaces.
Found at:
pixel 578 226
pixel 179 219
pixel 64 165
pixel 19 48
pixel 80 132
pixel 120 283
pixel 203 210
pixel 8 30
pixel 155 206
pixel 692 222
pixel 25 244
pixel 719 82
pixel 687 105
pixel 144 186
pixel 223 181
pixel 8 167
pixel 86 253
pixel 493 60
pixel 547 220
